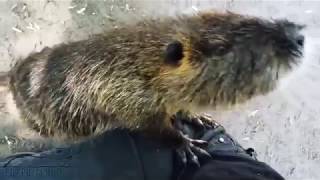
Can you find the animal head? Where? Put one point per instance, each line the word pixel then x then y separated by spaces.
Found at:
pixel 225 59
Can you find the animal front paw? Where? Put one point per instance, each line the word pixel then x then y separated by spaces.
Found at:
pixel 196 124
pixel 191 150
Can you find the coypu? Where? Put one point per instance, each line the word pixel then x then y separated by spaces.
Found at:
pixel 139 76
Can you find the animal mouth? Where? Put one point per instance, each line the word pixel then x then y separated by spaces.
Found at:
pixel 296 55
pixel 291 55
pixel 295 52
pixel 294 47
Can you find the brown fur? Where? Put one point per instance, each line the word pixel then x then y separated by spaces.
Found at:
pixel 119 79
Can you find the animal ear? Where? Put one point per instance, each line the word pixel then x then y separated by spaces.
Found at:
pixel 174 52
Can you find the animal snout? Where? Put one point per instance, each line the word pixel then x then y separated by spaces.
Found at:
pixel 293 34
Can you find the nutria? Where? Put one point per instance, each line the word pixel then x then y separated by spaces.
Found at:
pixel 140 75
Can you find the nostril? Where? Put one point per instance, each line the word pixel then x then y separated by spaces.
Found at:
pixel 300 40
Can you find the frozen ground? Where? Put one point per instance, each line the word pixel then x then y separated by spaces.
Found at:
pixel 283 127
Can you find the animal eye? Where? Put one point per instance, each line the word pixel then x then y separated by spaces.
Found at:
pixel 215 47
pixel 221 50
pixel 174 52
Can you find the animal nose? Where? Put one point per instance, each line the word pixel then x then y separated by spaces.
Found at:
pixel 299 40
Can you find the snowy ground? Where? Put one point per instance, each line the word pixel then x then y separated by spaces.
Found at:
pixel 283 127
